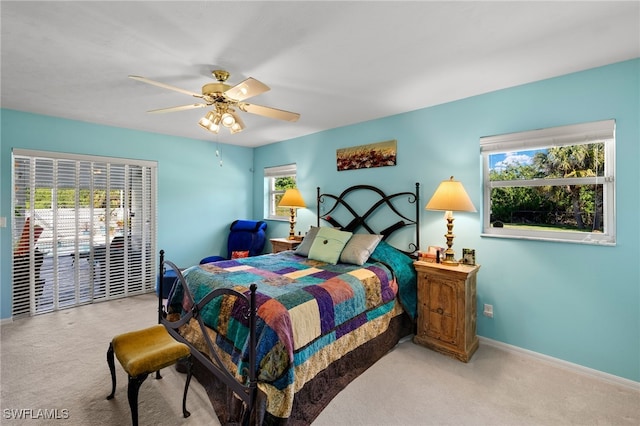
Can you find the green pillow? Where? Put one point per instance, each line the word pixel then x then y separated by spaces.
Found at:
pixel 328 245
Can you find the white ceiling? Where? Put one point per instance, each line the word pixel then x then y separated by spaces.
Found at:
pixel 334 62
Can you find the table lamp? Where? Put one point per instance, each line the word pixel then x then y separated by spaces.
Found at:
pixel 449 197
pixel 293 200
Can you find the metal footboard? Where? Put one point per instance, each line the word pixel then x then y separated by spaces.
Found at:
pixel 246 392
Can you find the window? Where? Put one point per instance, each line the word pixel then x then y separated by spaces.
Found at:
pixel 83 229
pixel 276 181
pixel 551 184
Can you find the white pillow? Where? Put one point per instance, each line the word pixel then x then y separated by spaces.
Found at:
pixel 359 248
pixel 305 245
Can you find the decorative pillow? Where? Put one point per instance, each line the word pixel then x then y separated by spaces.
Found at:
pixel 305 245
pixel 239 254
pixel 328 245
pixel 359 248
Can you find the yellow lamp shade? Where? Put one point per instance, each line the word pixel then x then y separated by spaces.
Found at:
pixel 292 199
pixel 450 196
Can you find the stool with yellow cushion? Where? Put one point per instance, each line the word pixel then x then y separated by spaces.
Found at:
pixel 143 352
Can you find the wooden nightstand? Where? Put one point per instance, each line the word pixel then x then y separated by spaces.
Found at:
pixel 447 309
pixel 282 244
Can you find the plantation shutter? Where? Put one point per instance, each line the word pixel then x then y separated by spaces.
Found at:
pixel 84 229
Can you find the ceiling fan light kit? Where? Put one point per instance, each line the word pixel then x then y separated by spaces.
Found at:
pixel 227 119
pixel 224 98
pixel 208 122
pixel 238 124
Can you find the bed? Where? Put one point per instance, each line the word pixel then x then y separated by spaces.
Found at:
pixel 319 315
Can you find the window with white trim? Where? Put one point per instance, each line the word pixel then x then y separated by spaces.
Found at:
pixel 84 229
pixel 276 181
pixel 551 184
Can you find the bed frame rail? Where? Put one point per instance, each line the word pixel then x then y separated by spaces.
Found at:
pixel 246 392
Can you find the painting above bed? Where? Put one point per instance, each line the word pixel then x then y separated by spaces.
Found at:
pixel 380 154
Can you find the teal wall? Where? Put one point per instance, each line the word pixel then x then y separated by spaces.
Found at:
pixel 578 303
pixel 574 302
pixel 197 199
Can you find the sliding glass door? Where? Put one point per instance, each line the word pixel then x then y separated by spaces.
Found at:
pixel 84 229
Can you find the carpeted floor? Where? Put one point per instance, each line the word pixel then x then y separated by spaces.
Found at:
pixel 54 365
pixel 57 361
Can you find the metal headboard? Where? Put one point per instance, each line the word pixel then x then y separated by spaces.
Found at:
pixel 360 219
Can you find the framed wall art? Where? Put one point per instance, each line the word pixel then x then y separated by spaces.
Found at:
pixel 380 154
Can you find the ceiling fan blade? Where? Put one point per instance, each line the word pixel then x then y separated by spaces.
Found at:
pixel 179 108
pixel 165 86
pixel 246 89
pixel 269 112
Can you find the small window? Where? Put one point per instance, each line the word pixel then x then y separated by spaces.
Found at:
pixel 276 181
pixel 551 184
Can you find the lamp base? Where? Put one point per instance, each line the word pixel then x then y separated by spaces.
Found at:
pixel 292 224
pixel 449 254
pixel 449 258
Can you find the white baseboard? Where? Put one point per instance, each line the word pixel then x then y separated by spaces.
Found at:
pixel 5 321
pixel 576 368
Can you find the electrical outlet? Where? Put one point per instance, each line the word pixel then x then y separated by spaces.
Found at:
pixel 488 310
pixel 3 222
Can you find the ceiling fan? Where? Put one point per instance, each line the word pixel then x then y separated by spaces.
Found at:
pixel 225 100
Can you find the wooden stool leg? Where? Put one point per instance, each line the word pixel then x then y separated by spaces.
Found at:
pixel 132 393
pixel 112 369
pixel 186 413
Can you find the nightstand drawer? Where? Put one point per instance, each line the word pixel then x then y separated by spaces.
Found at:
pixel 282 244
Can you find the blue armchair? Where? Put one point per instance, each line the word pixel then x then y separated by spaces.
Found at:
pixel 246 238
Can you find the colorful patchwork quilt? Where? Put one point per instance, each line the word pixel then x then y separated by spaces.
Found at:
pixel 309 313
